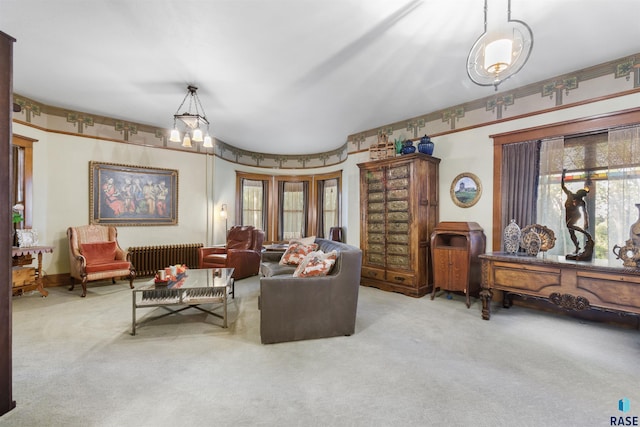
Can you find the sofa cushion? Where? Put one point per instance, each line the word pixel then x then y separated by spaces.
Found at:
pixel 270 269
pixel 216 259
pixel 99 252
pixel 107 266
pixel 296 252
pixel 304 240
pixel 316 264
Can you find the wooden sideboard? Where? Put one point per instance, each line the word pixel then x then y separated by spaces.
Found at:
pixel 572 285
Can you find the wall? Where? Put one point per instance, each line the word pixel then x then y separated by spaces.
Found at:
pixel 472 151
pixel 61 190
pixel 61 181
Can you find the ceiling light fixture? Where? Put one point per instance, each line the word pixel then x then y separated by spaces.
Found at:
pixel 193 121
pixel 501 51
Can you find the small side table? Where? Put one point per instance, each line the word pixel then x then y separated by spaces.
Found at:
pixel 23 256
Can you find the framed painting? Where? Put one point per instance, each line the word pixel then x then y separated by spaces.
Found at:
pixel 466 190
pixel 123 195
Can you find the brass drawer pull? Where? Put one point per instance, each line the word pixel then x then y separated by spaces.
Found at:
pixel 401 279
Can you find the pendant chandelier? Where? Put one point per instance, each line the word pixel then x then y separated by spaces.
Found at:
pixel 501 51
pixel 193 120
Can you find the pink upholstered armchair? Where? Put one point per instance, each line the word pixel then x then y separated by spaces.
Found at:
pixel 94 254
pixel 242 252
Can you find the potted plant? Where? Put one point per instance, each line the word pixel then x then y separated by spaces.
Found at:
pixel 17 217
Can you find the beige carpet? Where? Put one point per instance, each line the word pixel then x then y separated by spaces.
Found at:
pixel 411 362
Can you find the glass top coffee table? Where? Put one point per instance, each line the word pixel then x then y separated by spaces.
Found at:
pixel 195 288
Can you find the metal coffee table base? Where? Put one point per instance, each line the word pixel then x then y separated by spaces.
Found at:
pixel 199 288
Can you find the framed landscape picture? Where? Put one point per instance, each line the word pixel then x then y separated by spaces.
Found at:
pixel 123 195
pixel 466 190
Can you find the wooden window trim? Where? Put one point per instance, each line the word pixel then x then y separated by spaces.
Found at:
pixel 27 144
pixel 272 198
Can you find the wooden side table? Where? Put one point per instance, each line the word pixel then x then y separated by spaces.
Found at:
pixel 24 256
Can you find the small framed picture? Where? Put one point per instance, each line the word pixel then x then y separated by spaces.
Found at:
pixel 466 190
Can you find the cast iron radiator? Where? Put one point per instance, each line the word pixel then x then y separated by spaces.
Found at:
pixel 147 260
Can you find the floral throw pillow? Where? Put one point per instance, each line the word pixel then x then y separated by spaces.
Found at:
pixel 296 253
pixel 316 264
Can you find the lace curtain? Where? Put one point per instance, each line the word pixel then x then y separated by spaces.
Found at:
pixel 609 165
pixel 623 189
pixel 292 198
pixel 550 205
pixel 253 203
pixel 328 206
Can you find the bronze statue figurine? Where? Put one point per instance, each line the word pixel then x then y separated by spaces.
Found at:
pixel 575 207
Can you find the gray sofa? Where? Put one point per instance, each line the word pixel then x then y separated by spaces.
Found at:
pixel 293 308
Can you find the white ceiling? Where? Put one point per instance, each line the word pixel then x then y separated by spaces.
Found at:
pixel 290 76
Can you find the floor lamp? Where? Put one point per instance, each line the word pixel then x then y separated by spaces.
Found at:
pixel 223 214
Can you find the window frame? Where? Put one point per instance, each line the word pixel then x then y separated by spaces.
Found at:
pixel 566 129
pixel 272 206
pixel 27 185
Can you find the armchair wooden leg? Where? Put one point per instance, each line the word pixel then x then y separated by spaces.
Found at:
pixel 132 276
pixel 84 287
pixel 73 284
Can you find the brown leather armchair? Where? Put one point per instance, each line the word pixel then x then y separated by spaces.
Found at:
pixel 242 252
pixel 94 254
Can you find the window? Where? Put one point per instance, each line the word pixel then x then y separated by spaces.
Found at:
pixel 613 187
pixel 22 158
pixel 328 206
pixel 252 209
pixel 607 164
pixel 287 207
pixel 292 215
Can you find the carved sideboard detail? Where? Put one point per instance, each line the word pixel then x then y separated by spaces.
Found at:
pixel 569 302
pixel 572 285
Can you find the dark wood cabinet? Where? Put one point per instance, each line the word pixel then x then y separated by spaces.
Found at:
pixel 455 247
pixel 399 210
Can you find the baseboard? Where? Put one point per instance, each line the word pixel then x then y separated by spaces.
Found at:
pixel 53 280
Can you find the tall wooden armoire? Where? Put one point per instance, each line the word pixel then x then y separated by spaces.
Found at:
pixel 398 213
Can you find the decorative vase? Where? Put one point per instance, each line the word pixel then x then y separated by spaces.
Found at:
pixel 398 146
pixel 634 232
pixel 426 145
pixel 512 237
pixel 408 147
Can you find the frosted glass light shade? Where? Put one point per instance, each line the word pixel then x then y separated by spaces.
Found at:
pixel 497 55
pixel 186 142
pixel 197 135
pixel 208 143
pixel 175 136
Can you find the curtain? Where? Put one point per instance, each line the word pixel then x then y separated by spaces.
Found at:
pixel 330 205
pixel 623 192
pixel 550 205
pixel 292 197
pixel 252 203
pixel 608 164
pixel 520 166
pixel 320 231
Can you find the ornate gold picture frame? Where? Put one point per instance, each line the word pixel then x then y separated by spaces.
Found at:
pixel 466 190
pixel 126 195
